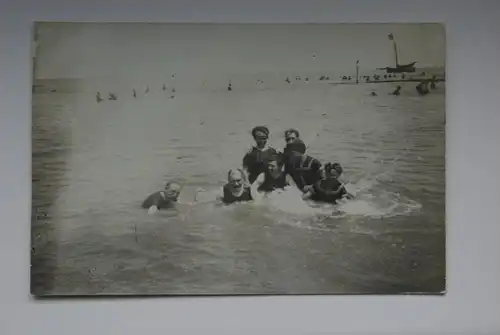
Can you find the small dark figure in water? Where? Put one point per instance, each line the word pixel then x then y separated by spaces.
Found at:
pixel 229 87
pixel 173 90
pixel 433 82
pixel 111 96
pixel 164 88
pixel 307 79
pixel 98 97
pixel 385 76
pixel 402 76
pixel 329 189
pixel 422 88
pixel 147 90
pixel 165 199
pixel 374 94
pixel 349 78
pixel 134 93
pixel 287 80
pixel 397 91
pixel 237 188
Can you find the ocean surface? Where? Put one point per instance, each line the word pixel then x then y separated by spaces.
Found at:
pixel 94 163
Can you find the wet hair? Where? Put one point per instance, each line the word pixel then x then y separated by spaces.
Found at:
pixel 292 131
pixel 242 173
pixel 261 129
pixel 296 146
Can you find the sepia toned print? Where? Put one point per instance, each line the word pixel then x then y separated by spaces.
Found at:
pixel 229 159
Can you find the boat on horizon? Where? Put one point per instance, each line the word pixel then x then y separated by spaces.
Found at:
pixel 399 68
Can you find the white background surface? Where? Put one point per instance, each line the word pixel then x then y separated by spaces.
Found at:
pixel 472 304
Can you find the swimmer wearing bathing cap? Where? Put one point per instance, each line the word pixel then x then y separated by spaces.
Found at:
pixel 329 189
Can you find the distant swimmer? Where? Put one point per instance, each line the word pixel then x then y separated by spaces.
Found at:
pixel 397 91
pixel 173 89
pixel 164 88
pixel 304 169
pixel 374 94
pixel 112 96
pixel 433 82
pixel 329 189
pixel 274 178
pixel 229 87
pixel 98 97
pixel 237 188
pixel 287 80
pixel 255 160
pixel 165 199
pixel 422 88
pixel 134 93
pixel 146 91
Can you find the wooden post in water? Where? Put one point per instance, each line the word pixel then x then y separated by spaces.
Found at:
pixel 357 71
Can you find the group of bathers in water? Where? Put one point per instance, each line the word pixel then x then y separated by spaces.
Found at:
pixel 266 170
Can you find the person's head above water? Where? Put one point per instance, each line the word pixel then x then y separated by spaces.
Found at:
pixel 236 178
pixel 260 135
pixel 333 170
pixel 291 135
pixel 274 165
pixel 172 190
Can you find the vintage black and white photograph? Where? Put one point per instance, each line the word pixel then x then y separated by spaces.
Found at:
pixel 237 159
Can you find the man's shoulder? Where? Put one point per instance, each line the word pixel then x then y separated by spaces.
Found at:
pixel 250 151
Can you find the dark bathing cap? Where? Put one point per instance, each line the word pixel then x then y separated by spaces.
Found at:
pixel 297 146
pixel 260 131
pixel 333 166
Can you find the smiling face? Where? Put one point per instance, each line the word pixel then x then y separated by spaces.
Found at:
pixel 236 180
pixel 274 168
pixel 172 191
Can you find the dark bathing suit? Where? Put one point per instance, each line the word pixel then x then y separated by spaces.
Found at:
pixel 270 184
pixel 255 162
pixel 158 199
pixel 328 185
pixel 229 198
pixel 304 170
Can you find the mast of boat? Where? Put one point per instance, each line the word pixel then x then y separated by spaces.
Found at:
pixel 391 37
pixel 34 52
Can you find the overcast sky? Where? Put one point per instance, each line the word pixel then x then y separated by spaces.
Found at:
pixel 83 50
